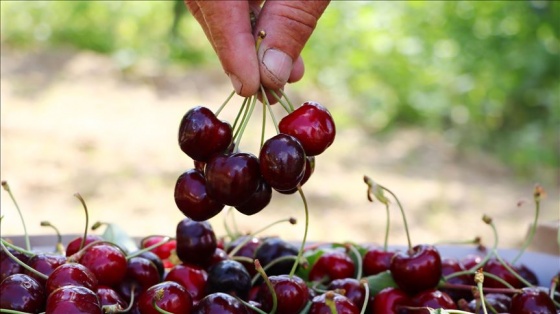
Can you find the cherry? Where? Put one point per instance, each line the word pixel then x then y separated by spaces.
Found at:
pixel 291 293
pixel 312 124
pixel 352 289
pixel 158 263
pixel 192 199
pixel 196 242
pixel 332 265
pixel 202 134
pixel 192 277
pixel 230 277
pixel 500 302
pixel 74 246
pixel 527 274
pixel 106 262
pixel 495 267
pixel 73 299
pixel 168 296
pixel 140 273
pixel 163 251
pixel 71 274
pixel 417 269
pixel 8 266
pixel 110 298
pixel 531 300
pixel 218 256
pixel 282 162
pixel 450 266
pixel 232 179
pixel 376 260
pixel 44 263
pixel 258 201
pixel 389 300
pixel 245 246
pixel 272 249
pixel 434 299
pixel 20 292
pixel 319 304
pixel 219 302
pixel 309 168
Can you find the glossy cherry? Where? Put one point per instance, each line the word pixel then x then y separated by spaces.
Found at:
pixel 8 266
pixel 196 242
pixel 332 265
pixel 416 269
pixel 44 263
pixel 202 134
pixel 232 179
pixel 532 300
pixel 231 277
pixel 108 297
pixel 73 299
pixel 71 274
pixel 343 305
pixel 350 288
pixel 74 245
pixel 106 262
pixel 245 246
pixel 273 248
pixel 450 266
pixel 258 201
pixel 376 260
pixel 163 251
pixel 309 169
pixel 20 292
pixel 158 263
pixel 495 267
pixel 282 162
pixel 192 199
pixel 312 124
pixel 168 295
pixel 500 302
pixel 434 299
pixel 220 302
pixel 192 277
pixel 140 273
pixel 389 301
pixel 291 293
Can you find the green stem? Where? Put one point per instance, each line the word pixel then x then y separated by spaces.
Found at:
pixel 511 270
pixel 149 248
pixel 224 103
pixel 306 227
pixel 6 187
pixel 286 107
pixel 287 99
pixel 17 248
pixel 242 114
pixel 366 296
pixel 263 124
pixel 270 110
pixel 22 264
pixel 59 246
pixel 488 221
pixel 358 256
pixel 271 264
pixel 261 271
pixel 403 216
pixel 80 198
pixel 250 236
pixel 229 233
pixel 246 121
pixel 387 227
pixel 531 233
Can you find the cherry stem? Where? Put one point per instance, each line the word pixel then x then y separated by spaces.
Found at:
pixel 488 221
pixel 470 272
pixel 239 114
pixel 76 256
pixel 244 118
pixel 261 271
pixel 251 306
pixel 260 37
pixel 479 280
pixel 358 256
pixel 270 110
pixel 403 216
pixel 263 124
pixel 22 264
pixel 329 301
pixel 149 248
pixel 116 308
pixel 286 107
pixel 245 121
pixel 533 228
pixel 6 187
pixel 17 248
pixel 366 295
pixel 230 233
pixel 59 245
pixel 225 103
pixel 387 227
pixel 14 311
pixel 305 230
pixel 81 199
pixel 272 263
pixel 250 236
pixel 475 241
pixel 287 99
pixel 486 289
pixel 159 309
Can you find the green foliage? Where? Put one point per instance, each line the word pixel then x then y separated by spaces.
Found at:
pixel 483 73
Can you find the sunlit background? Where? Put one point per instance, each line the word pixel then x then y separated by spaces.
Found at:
pixel 454 105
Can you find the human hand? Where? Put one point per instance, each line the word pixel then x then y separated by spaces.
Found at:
pixel 288 26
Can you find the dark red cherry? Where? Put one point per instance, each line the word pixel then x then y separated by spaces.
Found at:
pixel 453 265
pixel 106 262
pixel 74 245
pixel 196 242
pixel 417 269
pixel 20 292
pixel 73 299
pixel 168 295
pixel 218 256
pixel 158 263
pixel 192 277
pixel 202 134
pixel 282 162
pixel 110 298
pixel 312 124
pixel 291 293
pixel 249 245
pixel 219 302
pixel 500 302
pixel 376 260
pixel 44 263
pixel 232 179
pixel 332 265
pixel 389 300
pixel 532 300
pixel 140 273
pixel 71 274
pixel 8 266
pixel 350 288
pixel 343 305
pixel 258 201
pixel 527 274
pixel 495 267
pixel 192 199
pixel 434 299
pixel 272 249
pixel 163 251
pixel 230 277
pixel 309 168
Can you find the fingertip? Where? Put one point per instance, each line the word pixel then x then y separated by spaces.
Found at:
pixel 297 70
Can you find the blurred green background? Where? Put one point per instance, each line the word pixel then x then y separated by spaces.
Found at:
pixel 482 73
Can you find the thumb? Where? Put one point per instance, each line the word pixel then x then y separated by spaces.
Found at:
pixel 288 26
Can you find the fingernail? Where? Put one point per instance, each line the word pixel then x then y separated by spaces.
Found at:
pixel 278 65
pixel 237 85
